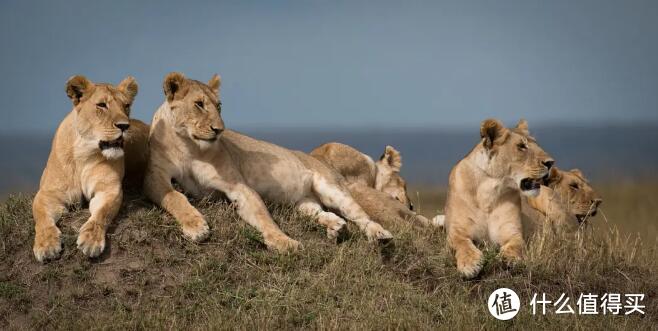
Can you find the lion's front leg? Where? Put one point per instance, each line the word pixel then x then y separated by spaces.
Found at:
pixel 251 208
pixel 158 188
pixel 467 256
pixel 46 209
pixel 103 206
pixel 505 230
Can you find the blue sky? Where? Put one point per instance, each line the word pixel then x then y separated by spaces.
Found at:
pixel 342 64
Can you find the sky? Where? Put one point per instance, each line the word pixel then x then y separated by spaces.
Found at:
pixel 342 64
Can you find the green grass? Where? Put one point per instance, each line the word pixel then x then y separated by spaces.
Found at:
pixel 150 277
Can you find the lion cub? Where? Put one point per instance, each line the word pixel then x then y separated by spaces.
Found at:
pixel 356 167
pixel 189 144
pixel 372 184
pixel 484 189
pixel 87 161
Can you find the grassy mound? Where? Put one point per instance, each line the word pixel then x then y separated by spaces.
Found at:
pixel 150 277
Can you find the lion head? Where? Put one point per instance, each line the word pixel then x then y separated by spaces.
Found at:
pixel 196 108
pixel 102 112
pixel 388 179
pixel 514 155
pixel 575 192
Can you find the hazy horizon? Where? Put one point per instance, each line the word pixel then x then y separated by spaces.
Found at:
pixel 343 64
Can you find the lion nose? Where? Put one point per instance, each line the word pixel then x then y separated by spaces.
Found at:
pixel 597 202
pixel 217 131
pixel 548 164
pixel 122 126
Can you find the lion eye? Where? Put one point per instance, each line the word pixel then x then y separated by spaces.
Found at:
pixel 574 186
pixel 522 146
pixel 219 106
pixel 101 105
pixel 199 104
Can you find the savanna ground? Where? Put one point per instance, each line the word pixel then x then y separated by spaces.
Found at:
pixel 150 277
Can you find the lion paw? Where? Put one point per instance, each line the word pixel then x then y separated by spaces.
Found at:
pixel 376 232
pixel 511 255
pixel 470 265
pixel 337 230
pixel 47 244
pixel 91 240
pixel 196 231
pixel 283 244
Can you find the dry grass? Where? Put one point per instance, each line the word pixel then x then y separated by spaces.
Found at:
pixel 152 278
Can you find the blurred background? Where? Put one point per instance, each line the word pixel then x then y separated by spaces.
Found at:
pixel 420 76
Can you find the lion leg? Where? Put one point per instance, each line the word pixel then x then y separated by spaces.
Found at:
pixel 505 230
pixel 252 209
pixel 46 210
pixel 334 196
pixel 159 189
pixel 468 257
pixel 103 207
pixel 335 224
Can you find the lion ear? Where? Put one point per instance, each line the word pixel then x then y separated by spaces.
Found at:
pixel 214 83
pixel 77 87
pixel 554 177
pixel 392 158
pixel 129 87
pixel 523 126
pixel 491 132
pixel 577 172
pixel 172 84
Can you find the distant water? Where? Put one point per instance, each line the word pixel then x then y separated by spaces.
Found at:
pixel 603 153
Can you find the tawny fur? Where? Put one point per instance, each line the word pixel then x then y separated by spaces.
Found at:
pixel 189 144
pixel 356 167
pixel 382 208
pixel 565 203
pixel 484 200
pixel 78 169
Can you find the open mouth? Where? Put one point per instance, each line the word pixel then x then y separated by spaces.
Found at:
pixel 529 184
pixel 106 144
pixel 583 217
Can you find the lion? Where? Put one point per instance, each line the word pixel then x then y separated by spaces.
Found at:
pixel 356 167
pixel 484 193
pixel 382 208
pixel 190 144
pixel 86 161
pixel 565 202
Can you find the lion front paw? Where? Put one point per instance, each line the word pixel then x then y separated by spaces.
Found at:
pixel 47 244
pixel 337 230
pixel 511 254
pixel 376 232
pixel 91 240
pixel 283 244
pixel 469 263
pixel 196 230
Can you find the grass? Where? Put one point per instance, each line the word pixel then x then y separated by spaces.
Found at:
pixel 150 277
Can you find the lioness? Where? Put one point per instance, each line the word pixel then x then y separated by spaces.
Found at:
pixel 356 167
pixel 483 194
pixel 189 144
pixel 566 201
pixel 87 161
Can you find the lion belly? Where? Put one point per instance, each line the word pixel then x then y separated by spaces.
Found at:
pixel 272 171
